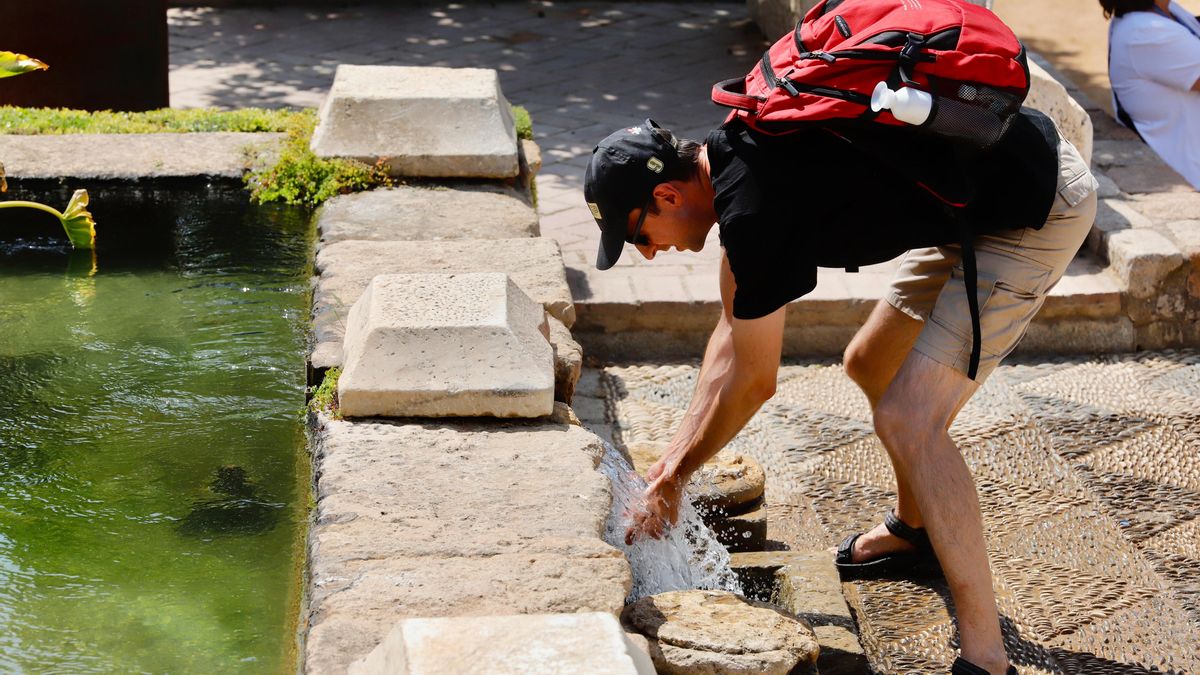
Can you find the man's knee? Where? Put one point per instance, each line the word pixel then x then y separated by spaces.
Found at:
pixel 905 430
pixel 860 363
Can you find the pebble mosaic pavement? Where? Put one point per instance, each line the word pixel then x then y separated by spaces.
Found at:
pixel 1088 472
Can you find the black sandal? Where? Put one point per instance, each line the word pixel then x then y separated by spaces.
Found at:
pixel 964 667
pixel 908 564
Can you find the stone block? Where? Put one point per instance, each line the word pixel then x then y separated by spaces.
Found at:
pixel 436 122
pixel 1142 259
pixel 1050 97
pixel 1186 234
pixel 1169 206
pixel 446 345
pixel 728 483
pixel 136 156
pixel 397 535
pixel 417 212
pixel 568 360
pixel 1114 215
pixel 347 267
pixel 531 157
pixel 542 643
pixel 807 585
pixel 719 633
pixel 810 588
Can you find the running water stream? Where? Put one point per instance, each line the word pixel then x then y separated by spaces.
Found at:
pixel 688 557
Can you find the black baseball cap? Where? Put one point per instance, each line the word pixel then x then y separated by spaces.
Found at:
pixel 621 176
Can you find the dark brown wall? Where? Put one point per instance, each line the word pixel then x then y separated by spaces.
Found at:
pixel 103 54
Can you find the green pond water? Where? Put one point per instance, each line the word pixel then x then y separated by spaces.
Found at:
pixel 153 475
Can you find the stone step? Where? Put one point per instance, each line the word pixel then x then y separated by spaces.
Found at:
pixel 1083 313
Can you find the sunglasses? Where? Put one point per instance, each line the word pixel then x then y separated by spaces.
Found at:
pixel 635 238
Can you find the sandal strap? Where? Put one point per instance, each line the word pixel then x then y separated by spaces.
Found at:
pixel 845 551
pixel 913 535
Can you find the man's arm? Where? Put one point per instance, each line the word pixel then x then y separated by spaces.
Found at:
pixel 738 375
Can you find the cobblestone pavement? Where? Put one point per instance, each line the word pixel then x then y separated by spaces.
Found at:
pixel 582 70
pixel 1089 479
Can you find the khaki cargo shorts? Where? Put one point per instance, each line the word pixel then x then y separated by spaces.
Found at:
pixel 1016 270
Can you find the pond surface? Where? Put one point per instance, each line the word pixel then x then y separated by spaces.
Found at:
pixel 153 477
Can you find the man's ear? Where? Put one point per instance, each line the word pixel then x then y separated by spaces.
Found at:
pixel 667 193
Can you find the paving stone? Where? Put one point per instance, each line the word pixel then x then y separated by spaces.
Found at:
pixel 1108 188
pixel 436 122
pixel 1110 153
pixel 412 212
pixel 1149 179
pixel 542 643
pixel 135 156
pixel 1050 96
pixel 437 345
pixel 1143 258
pixel 720 633
pixel 397 536
pixel 345 269
pixel 568 360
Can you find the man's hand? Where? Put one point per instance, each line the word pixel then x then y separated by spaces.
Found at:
pixel 663 497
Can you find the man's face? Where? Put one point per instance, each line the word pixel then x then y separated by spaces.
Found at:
pixel 681 222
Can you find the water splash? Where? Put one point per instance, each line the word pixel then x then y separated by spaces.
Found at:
pixel 688 557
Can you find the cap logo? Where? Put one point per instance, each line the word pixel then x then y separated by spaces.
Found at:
pixel 654 164
pixel 595 209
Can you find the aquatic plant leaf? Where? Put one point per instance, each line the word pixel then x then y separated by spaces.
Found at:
pixel 78 222
pixel 15 64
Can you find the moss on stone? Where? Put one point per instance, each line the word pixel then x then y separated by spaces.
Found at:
pixel 524 123
pixel 167 120
pixel 300 177
pixel 324 395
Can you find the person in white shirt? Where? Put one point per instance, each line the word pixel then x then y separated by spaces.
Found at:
pixel 1154 67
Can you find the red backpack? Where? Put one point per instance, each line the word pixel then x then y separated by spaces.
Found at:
pixel 827 69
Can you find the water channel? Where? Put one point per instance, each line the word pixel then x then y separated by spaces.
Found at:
pixel 153 478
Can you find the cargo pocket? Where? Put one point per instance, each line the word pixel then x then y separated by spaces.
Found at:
pixel 1075 180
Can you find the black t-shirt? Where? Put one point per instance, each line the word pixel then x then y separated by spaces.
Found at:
pixel 849 196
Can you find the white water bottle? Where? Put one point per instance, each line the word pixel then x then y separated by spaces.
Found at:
pixel 907 105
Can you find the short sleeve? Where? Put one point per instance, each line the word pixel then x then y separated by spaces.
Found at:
pixel 1166 53
pixel 768 273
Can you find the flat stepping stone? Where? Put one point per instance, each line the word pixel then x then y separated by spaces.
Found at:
pixel 726 484
pixel 409 213
pixel 720 633
pixel 135 156
pixel 347 267
pixel 435 122
pixel 446 345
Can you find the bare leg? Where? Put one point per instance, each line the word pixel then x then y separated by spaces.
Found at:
pixel 912 419
pixel 872 360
